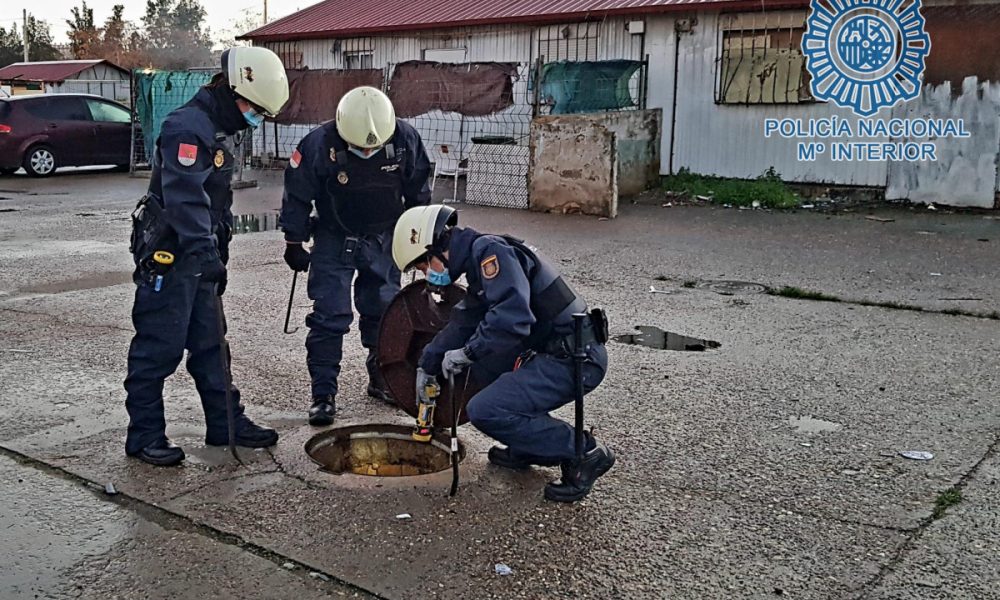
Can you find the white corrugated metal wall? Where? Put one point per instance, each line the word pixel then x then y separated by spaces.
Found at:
pixel 519 44
pixel 99 80
pixel 728 140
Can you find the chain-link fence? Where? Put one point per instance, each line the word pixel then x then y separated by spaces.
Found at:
pixel 474 118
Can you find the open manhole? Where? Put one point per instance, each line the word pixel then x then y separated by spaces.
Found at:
pixel 380 451
pixel 654 337
pixel 732 288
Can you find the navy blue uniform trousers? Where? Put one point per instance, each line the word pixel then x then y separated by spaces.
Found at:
pixel 514 409
pixel 331 272
pixel 182 315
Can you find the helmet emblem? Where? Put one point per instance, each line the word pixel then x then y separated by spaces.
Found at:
pixel 414 234
pixel 372 140
pixel 248 73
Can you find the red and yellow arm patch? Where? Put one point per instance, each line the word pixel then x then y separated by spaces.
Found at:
pixel 490 267
pixel 187 154
pixel 296 159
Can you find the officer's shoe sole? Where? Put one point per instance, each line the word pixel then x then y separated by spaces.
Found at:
pixel 160 458
pixel 501 457
pixel 261 440
pixel 380 394
pixel 563 492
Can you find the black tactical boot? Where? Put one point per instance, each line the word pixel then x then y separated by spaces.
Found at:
pixel 322 411
pixel 578 477
pixel 377 387
pixel 504 457
pixel 162 453
pixel 248 435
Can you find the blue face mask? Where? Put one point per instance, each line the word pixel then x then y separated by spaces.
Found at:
pixel 253 118
pixel 363 152
pixel 439 279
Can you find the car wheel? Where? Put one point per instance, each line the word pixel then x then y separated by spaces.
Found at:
pixel 39 161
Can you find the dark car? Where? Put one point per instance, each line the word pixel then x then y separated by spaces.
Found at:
pixel 45 132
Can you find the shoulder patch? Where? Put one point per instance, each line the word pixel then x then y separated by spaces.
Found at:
pixel 187 154
pixel 490 267
pixel 296 159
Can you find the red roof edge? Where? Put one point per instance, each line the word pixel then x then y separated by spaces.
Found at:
pixel 527 19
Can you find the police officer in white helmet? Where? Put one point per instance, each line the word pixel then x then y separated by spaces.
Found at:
pixel 180 244
pixel 359 172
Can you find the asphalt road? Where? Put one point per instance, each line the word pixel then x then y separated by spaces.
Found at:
pixel 767 467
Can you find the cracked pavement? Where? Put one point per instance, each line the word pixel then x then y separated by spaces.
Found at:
pixel 719 490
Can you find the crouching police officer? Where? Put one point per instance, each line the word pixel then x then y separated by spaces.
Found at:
pixel 517 311
pixel 361 170
pixel 180 244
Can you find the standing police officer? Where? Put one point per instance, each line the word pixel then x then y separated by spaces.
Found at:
pixel 180 244
pixel 517 311
pixel 361 170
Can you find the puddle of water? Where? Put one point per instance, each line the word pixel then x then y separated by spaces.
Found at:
pixel 98 280
pixel 654 337
pixel 254 223
pixel 811 425
pixel 50 524
pixel 732 288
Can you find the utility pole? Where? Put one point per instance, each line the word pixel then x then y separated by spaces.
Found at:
pixel 24 14
pixel 265 12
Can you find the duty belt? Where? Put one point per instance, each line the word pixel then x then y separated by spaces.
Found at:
pixel 561 346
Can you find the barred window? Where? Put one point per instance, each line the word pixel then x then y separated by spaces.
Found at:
pixel 358 60
pixel 761 59
pixel 576 42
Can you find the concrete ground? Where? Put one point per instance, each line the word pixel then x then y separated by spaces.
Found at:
pixel 768 467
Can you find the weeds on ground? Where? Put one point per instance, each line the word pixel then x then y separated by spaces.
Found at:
pixel 945 500
pixel 768 189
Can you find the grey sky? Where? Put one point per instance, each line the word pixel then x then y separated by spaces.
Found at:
pixel 221 14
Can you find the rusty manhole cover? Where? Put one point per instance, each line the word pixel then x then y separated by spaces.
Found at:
pixel 380 451
pixel 412 320
pixel 732 288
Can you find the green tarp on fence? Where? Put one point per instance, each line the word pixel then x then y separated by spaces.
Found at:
pixel 160 92
pixel 579 87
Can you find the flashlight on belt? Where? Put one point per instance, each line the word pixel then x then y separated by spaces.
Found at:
pixel 161 263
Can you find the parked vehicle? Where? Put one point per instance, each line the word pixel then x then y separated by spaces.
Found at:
pixel 45 132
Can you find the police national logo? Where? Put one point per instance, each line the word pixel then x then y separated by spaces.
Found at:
pixel 865 54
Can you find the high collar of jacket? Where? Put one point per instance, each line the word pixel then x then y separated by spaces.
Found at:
pixel 460 251
pixel 220 103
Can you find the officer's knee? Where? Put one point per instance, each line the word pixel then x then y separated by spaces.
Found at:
pixel 486 413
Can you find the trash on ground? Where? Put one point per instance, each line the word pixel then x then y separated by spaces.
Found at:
pixel 653 290
pixel 756 204
pixel 931 207
pixel 879 219
pixel 667 205
pixel 916 455
pixel 319 576
pixel 502 569
pixel 289 566
pixel 704 198
pixel 404 516
pixel 808 206
pixel 110 490
pixel 936 274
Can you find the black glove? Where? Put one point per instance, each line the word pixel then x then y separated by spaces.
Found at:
pixel 296 257
pixel 213 271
